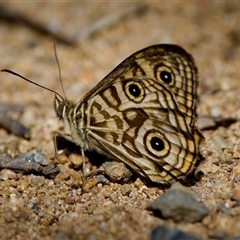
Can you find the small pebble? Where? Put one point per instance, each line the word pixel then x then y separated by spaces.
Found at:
pixel 236 155
pixel 215 112
pixel 206 122
pixel 89 184
pixel 235 238
pixel 236 169
pixel 37 181
pixel 117 172
pixel 226 157
pixel 180 205
pixel 8 217
pixel 102 179
pixel 236 194
pixel 107 191
pixel 138 183
pixel 221 143
pixel 126 189
pixel 76 160
pixel 34 207
pixel 7 174
pixel 217 234
pixel 150 191
pixel 222 208
pixel 34 156
pixel 236 211
pixel 222 195
pixel 163 233
pixel 62 177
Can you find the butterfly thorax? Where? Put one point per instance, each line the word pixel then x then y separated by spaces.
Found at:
pixel 73 131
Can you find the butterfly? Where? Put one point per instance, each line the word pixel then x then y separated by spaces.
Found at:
pixel 143 113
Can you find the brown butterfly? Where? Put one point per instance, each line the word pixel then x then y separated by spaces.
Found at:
pixel 143 113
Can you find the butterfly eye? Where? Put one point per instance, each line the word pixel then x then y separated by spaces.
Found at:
pixel 156 144
pixel 166 76
pixel 59 106
pixel 134 91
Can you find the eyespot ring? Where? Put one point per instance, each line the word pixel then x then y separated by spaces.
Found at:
pixel 134 90
pixel 164 74
pixel 156 144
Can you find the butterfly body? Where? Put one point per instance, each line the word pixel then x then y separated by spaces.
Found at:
pixel 143 113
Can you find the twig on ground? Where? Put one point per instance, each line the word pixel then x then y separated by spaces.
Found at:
pixel 10 124
pixel 110 20
pixel 21 165
pixel 211 123
pixel 13 16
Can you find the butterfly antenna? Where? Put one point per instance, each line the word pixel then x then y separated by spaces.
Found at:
pixel 18 75
pixel 59 71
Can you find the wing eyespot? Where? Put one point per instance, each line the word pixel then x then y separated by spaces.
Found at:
pixel 156 144
pixel 134 91
pixel 166 76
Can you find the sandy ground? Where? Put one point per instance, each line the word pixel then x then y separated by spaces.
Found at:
pixel 208 30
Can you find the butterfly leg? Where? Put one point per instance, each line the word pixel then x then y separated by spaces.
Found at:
pixel 57 137
pixel 60 140
pixel 84 165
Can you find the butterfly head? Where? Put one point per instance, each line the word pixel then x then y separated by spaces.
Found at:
pixel 63 107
